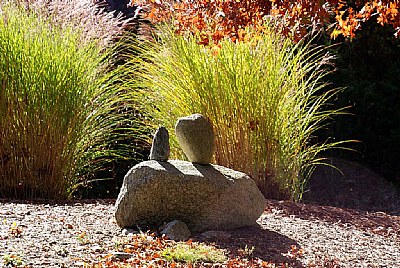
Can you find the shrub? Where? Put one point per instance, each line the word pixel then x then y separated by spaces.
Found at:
pixel 56 106
pixel 264 99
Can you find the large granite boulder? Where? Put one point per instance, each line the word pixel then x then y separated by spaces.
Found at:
pixel 205 197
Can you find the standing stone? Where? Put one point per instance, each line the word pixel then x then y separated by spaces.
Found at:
pixel 160 148
pixel 196 137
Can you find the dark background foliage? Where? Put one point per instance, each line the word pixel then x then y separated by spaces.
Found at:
pixel 369 67
pixel 106 182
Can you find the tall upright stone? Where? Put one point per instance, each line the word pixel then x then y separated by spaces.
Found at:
pixel 196 137
pixel 160 149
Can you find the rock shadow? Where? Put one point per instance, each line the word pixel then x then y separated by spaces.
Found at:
pixel 352 186
pixel 169 167
pixel 204 169
pixel 207 169
pixel 256 242
pixel 377 222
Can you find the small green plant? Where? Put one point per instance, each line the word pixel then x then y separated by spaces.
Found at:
pixel 12 260
pixel 83 238
pixel 15 230
pixel 192 252
pixel 117 245
pixel 264 98
pixel 247 251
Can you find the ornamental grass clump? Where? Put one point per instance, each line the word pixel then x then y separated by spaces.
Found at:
pixel 56 106
pixel 264 98
pixel 89 16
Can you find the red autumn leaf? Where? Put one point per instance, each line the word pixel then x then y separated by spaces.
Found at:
pixel 213 19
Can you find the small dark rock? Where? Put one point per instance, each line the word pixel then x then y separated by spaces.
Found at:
pixel 160 148
pixel 176 230
pixel 121 256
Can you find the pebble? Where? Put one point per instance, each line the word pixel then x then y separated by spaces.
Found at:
pixel 97 249
pixel 176 230
pixel 129 232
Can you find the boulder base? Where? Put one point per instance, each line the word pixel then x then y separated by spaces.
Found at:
pixel 205 197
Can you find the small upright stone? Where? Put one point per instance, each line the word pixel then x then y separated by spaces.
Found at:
pixel 196 137
pixel 160 148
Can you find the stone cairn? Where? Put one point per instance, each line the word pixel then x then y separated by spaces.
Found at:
pixel 190 196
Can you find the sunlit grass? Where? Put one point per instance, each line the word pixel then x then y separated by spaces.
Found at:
pixel 264 98
pixel 80 15
pixel 57 106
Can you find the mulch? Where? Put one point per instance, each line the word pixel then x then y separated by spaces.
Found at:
pixel 83 233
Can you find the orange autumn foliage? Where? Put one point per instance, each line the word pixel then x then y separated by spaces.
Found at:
pixel 217 19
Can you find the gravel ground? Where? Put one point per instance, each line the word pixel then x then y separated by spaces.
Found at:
pixel 71 235
pixel 57 235
pixel 335 243
pixel 351 219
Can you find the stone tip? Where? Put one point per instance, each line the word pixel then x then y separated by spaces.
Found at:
pixel 160 149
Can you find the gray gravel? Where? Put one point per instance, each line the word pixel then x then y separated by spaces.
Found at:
pixel 57 235
pixel 74 234
pixel 335 243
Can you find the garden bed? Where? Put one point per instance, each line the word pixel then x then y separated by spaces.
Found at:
pixel 84 233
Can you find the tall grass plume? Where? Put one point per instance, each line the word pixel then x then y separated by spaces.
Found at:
pixel 265 99
pixel 56 103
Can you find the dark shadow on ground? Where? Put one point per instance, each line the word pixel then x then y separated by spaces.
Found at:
pixel 354 187
pixel 264 244
pixel 375 222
